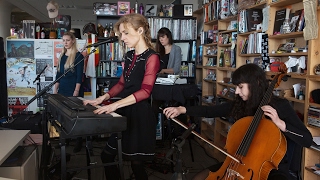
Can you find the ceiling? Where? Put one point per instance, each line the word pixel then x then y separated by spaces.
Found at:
pixel 81 11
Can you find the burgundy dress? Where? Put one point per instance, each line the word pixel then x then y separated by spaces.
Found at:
pixel 138 78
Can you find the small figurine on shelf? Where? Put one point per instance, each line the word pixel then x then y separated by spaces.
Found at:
pixel 301 95
pixel 100 30
pixel 106 31
pixel 161 11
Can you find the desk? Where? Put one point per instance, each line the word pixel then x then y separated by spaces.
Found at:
pixel 10 140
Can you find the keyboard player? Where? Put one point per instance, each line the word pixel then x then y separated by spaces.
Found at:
pixel 135 84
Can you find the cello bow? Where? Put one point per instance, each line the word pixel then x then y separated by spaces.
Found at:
pixel 205 140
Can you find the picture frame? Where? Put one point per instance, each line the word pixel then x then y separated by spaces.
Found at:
pixel 187 10
pixel 123 8
pixel 100 8
pixel 150 10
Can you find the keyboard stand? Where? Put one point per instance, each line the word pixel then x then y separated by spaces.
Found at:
pixel 90 165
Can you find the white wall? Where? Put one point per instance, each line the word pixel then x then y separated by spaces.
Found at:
pixel 5 18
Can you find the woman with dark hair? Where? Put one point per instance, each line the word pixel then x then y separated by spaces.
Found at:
pixel 136 83
pixel 170 54
pixel 251 85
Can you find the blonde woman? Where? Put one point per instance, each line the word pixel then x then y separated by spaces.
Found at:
pixel 70 84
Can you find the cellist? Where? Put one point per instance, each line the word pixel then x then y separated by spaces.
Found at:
pixel 251 85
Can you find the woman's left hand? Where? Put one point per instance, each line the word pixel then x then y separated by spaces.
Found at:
pixel 272 113
pixel 106 109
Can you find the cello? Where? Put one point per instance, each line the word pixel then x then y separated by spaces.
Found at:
pixel 256 144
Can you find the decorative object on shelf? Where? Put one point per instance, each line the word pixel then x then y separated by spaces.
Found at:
pixel 141 9
pixel 278 21
pixel 301 95
pixel 233 7
pixel 187 10
pixel 151 10
pixel 136 7
pixel 227 58
pixel 100 30
pixel 316 69
pixel 123 7
pixel 105 8
pixel 275 65
pixel 224 11
pixel 167 9
pixel 286 25
pixel 295 64
pixel 315 96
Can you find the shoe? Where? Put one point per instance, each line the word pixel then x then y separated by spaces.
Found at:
pixel 78 145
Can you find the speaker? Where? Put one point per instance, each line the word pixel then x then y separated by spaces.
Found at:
pixel 3 82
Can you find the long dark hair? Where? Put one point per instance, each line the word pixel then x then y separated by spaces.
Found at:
pixel 163 31
pixel 258 84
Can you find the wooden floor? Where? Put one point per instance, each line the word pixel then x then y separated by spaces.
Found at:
pixel 159 169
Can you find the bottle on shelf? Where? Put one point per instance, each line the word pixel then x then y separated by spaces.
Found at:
pixel 301 95
pixel 221 58
pixel 43 33
pixel 141 9
pixel 111 31
pixel 136 7
pixel 38 31
pixel 161 11
pixel 106 30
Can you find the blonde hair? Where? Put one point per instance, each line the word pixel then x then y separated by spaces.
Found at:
pixel 71 58
pixel 136 21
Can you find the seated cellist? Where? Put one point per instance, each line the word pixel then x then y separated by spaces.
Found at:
pixel 251 85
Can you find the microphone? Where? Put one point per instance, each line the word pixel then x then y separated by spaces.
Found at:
pixel 108 40
pixel 38 77
pixel 149 10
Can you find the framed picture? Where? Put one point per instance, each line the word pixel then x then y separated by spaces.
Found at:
pixel 123 7
pixel 187 10
pixel 105 8
pixel 150 10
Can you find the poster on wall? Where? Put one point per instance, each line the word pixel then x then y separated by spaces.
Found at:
pixel 45 67
pixel 57 50
pixel 43 48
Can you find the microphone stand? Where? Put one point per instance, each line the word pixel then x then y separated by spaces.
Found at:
pixel 176 146
pixel 39 80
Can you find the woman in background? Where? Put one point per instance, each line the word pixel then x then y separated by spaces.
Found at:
pixel 135 85
pixel 70 84
pixel 170 54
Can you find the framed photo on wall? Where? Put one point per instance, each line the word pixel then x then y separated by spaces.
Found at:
pixel 123 7
pixel 187 10
pixel 150 10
